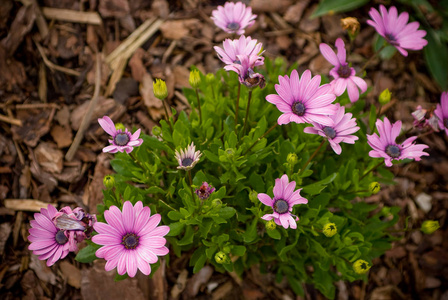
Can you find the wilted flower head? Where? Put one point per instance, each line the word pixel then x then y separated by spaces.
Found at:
pixel 77 223
pixel 350 24
pixel 340 132
pixel 121 140
pixel 188 158
pixel 204 191
pixel 442 112
pixel 233 17
pixel 361 266
pixel 425 119
pixel 242 46
pixel 284 199
pixel 160 89
pixel 131 239
pixel 303 100
pixel 386 146
pixel 246 74
pixel 344 76
pixel 396 30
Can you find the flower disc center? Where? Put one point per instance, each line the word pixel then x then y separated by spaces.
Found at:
pixel 344 71
pixel 130 241
pixel 298 108
pixel 391 39
pixel 187 162
pixel 234 26
pixel 121 139
pixel 60 237
pixel 329 132
pixel 281 206
pixel 445 122
pixel 393 151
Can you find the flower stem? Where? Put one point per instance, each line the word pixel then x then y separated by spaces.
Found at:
pixel 261 137
pixel 199 106
pixel 372 169
pixel 191 184
pixel 371 59
pixel 237 107
pixel 247 112
pixel 166 115
pixel 312 156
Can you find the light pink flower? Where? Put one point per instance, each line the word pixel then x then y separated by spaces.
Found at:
pixel 396 30
pixel 442 112
pixel 77 222
pixel 233 17
pixel 344 76
pixel 246 74
pixel 131 238
pixel 187 158
pixel 242 46
pixel 341 131
pixel 121 141
pixel 284 199
pixel 303 100
pixel 386 146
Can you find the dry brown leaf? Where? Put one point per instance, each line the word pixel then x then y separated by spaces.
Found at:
pixel 269 5
pixel 42 271
pixel 294 13
pixel 71 273
pixel 63 136
pixel 22 24
pixel 34 126
pixel 177 29
pixel 49 157
pixel 114 8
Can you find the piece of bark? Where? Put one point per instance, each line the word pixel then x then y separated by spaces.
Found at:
pixel 63 136
pixel 71 273
pixel 22 24
pixel 49 157
pixel 26 204
pixel 35 125
pixel 177 29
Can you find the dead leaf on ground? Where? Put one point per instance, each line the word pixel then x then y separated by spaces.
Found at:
pixel 177 29
pixel 49 157
pixel 71 273
pixel 22 24
pixel 35 125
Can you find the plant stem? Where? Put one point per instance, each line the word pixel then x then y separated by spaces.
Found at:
pixel 191 184
pixel 199 106
pixel 167 119
pixel 247 112
pixel 261 137
pixel 237 107
pixel 371 59
pixel 372 169
pixel 312 156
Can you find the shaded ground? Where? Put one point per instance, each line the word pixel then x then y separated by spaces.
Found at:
pixel 47 77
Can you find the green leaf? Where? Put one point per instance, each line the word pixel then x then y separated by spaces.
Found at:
pixel 175 228
pixel 175 215
pixel 238 250
pixel 155 190
pixel 87 254
pixel 226 212
pixel 188 237
pixel 372 118
pixel 388 52
pixel 251 232
pixel 119 277
pixel 436 56
pixel 275 234
pixel 317 187
pixel 336 6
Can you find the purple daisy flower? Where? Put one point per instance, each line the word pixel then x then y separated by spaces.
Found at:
pixel 188 158
pixel 132 240
pixel 385 145
pixel 341 131
pixel 121 141
pixel 246 74
pixel 396 30
pixel 77 222
pixel 47 241
pixel 284 199
pixel 303 100
pixel 204 191
pixel 233 17
pixel 442 112
pixel 344 76
pixel 242 46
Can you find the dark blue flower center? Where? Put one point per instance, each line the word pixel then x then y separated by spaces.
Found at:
pixel 344 71
pixel 445 122
pixel 329 132
pixel 391 39
pixel 121 139
pixel 281 206
pixel 298 108
pixel 60 237
pixel 393 151
pixel 187 162
pixel 234 26
pixel 130 241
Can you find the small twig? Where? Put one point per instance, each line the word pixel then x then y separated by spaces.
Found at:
pixel 312 156
pixel 10 120
pixel 53 66
pixel 68 15
pixel 19 152
pixel 372 169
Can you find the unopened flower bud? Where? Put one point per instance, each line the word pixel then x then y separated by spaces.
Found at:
pixel 120 126
pixel 156 131
pixel 195 79
pixel 429 226
pixel 384 97
pixel 330 229
pixel 210 77
pixel 361 266
pixel 270 225
pixel 253 196
pixel 160 89
pixel 221 257
pixel 292 158
pixel 109 181
pixel 374 187
pixel 216 203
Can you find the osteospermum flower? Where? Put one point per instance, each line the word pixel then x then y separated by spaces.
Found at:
pixel 188 158
pixel 425 119
pixel 77 223
pixel 131 238
pixel 47 241
pixel 204 191
pixel 303 100
pixel 344 76
pixel 341 131
pixel 246 74
pixel 386 146
pixel 233 17
pixel 442 112
pixel 396 30
pixel 284 199
pixel 242 46
pixel 121 141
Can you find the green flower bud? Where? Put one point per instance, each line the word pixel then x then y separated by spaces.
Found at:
pixel 210 77
pixel 120 126
pixel 195 79
pixel 221 258
pixel 374 187
pixel 109 181
pixel 279 61
pixel 292 159
pixel 361 266
pixel 330 229
pixel 270 225
pixel 253 196
pixel 156 131
pixel 216 203
pixel 384 97
pixel 160 89
pixel 429 226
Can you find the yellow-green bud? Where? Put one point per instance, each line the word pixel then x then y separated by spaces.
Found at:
pixel 160 89
pixel 221 258
pixel 330 229
pixel 120 126
pixel 374 187
pixel 156 131
pixel 253 196
pixel 109 181
pixel 270 225
pixel 210 78
pixel 384 97
pixel 292 159
pixel 195 79
pixel 361 266
pixel 216 203
pixel 429 226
